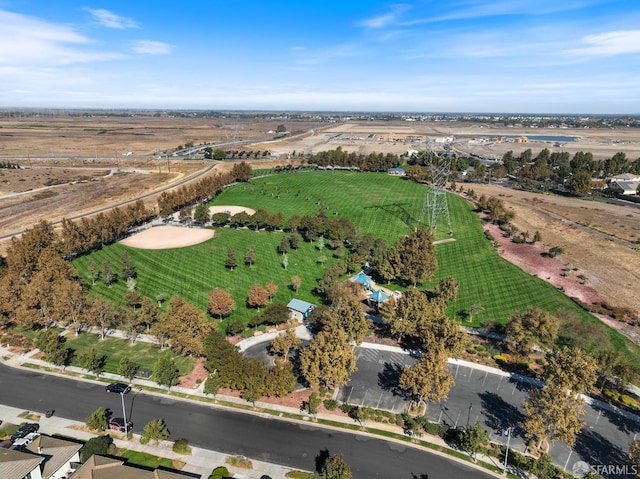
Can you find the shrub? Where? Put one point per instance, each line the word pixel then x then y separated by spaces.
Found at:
pixel 518 240
pixel 488 235
pixel 235 327
pixel 95 445
pixel 330 404
pixel 220 472
pixel 181 446
pixel 239 461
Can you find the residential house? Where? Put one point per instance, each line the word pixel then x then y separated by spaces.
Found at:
pixel 41 457
pixel 101 467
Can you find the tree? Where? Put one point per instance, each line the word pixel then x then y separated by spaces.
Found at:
pixel 258 296
pixel 272 289
pixel 447 289
pixel 52 345
pixel 571 369
pixel 231 261
pixel 92 271
pixel 165 371
pixel 294 240
pixel 127 368
pixel 552 414
pixel 350 317
pixel 283 247
pixel 312 405
pixel 98 420
pixel 281 380
pixel 295 283
pixel 580 182
pixel 127 268
pixel 428 379
pixel 92 361
pixel 185 325
pixel 285 261
pixel 96 445
pixel 253 380
pixel 201 213
pixel 534 327
pixel 155 430
pixel 417 256
pixel 329 359
pixel 537 237
pixel 107 275
pixel 250 256
pixel 473 438
pixel 335 467
pixel 283 343
pixel 221 303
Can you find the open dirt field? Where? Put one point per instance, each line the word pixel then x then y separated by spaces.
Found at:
pixel 597 239
pixel 166 237
pixel 398 137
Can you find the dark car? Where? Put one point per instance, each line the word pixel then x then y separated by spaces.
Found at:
pixel 117 424
pixel 24 430
pixel 120 388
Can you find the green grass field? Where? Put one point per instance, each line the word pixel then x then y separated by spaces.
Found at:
pixel 143 354
pixel 386 206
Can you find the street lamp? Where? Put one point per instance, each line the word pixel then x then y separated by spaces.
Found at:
pixel 507 433
pixel 124 412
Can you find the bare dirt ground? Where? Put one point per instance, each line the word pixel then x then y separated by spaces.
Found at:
pixel 165 237
pixel 611 267
pixel 232 210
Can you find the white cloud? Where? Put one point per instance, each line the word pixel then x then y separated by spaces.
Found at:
pixel 152 47
pixel 111 20
pixel 27 40
pixel 609 43
pixel 387 19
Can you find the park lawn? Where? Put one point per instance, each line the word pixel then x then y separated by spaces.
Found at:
pixel 143 354
pixel 194 271
pixel 386 206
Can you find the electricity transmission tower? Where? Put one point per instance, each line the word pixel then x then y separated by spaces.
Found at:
pixel 435 202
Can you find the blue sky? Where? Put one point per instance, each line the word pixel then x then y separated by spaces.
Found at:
pixel 530 56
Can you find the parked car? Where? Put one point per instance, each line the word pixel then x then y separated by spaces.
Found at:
pixel 117 424
pixel 23 430
pixel 120 388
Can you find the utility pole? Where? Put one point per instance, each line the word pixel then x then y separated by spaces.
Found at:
pixel 506 454
pixel 124 414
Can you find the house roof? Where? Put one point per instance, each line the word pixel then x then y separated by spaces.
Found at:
pixel 629 187
pixel 57 452
pixel 300 306
pixel 16 464
pixel 625 177
pixel 100 467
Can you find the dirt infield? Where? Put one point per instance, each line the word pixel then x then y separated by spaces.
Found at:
pixel 166 237
pixel 232 210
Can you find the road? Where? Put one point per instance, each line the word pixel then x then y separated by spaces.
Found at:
pixel 256 436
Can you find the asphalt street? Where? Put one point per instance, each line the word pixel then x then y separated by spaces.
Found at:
pixel 256 436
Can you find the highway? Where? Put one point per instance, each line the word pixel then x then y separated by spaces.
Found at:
pixel 256 436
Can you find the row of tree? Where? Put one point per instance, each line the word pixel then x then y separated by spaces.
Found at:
pixel 369 162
